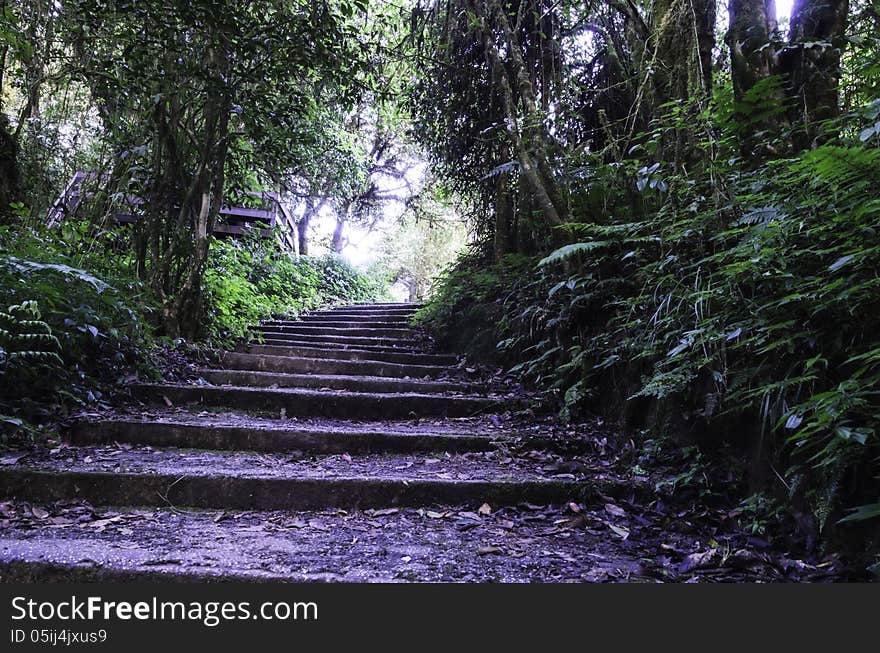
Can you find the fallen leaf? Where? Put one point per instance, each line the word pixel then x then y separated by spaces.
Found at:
pixel 383 512
pixel 101 524
pixel 620 530
pixel 574 507
pixel 617 511
pixel 485 550
pixel 435 515
pixel 39 513
pixel 346 457
pixel 698 560
pixel 485 509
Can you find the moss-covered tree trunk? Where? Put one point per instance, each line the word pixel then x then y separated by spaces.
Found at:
pixel 683 37
pixel 9 180
pixel 811 62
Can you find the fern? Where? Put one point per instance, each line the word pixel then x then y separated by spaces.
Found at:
pixel 26 340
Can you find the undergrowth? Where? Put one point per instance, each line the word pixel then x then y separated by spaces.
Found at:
pixel 725 303
pixel 252 279
pixel 76 324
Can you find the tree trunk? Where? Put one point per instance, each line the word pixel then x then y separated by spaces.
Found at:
pixel 812 64
pixel 503 217
pixel 200 208
pixel 751 61
pixel 504 211
pixel 337 243
pixel 683 37
pixel 705 15
pixel 526 134
pixel 302 227
pixel 9 178
pixel 40 32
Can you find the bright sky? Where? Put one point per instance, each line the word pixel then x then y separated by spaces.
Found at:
pixel 783 9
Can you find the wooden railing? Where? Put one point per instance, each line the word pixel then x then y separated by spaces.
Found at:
pixel 234 221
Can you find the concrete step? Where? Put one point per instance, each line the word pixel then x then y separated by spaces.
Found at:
pixel 318 342
pixel 380 305
pixel 273 481
pixel 359 438
pixel 365 315
pixel 297 402
pixel 341 339
pixel 339 353
pixel 352 383
pixel 295 365
pixel 342 324
pixel 395 320
pixel 324 330
pixel 373 308
pixel 441 544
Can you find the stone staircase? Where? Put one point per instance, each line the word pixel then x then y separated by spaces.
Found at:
pixel 318 451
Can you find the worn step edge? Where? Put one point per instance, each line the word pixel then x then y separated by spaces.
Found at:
pixel 19 569
pixel 233 438
pixel 362 322
pixel 357 308
pixel 368 315
pixel 255 493
pixel 351 354
pixel 340 324
pixel 385 333
pixel 305 365
pixel 321 338
pixel 315 342
pixel 351 383
pixel 315 403
pixel 411 305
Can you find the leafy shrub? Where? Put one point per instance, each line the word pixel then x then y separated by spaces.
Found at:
pixel 253 279
pixel 65 331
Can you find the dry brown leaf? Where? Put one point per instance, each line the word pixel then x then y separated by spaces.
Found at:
pixel 485 509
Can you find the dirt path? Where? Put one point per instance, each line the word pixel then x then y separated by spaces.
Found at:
pixel 343 448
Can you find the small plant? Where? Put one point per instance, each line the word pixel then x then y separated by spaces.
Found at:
pixel 759 513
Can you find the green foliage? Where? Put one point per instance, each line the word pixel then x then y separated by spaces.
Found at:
pixel 75 324
pixel 424 242
pixel 25 339
pixel 250 280
pixel 67 331
pixel 733 296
